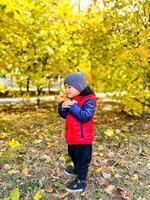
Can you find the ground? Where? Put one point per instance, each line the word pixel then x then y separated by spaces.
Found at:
pixel 34 154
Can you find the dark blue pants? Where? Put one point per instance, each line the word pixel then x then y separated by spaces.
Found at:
pixel 81 158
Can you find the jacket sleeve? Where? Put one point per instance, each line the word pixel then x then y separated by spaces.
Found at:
pixel 85 113
pixel 62 111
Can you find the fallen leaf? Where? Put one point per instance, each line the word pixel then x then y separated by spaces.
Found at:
pixel 50 144
pixel 25 171
pixel 111 168
pixel 15 194
pixel 3 135
pixel 13 171
pixel 14 144
pixel 61 158
pixel 125 129
pixel 106 175
pixel 95 163
pixel 48 159
pixel 103 182
pixel 109 132
pixel 50 189
pixel 38 195
pixel 110 189
pixel 135 177
pixel 36 141
pixel 64 195
pixel 57 98
pixel 98 170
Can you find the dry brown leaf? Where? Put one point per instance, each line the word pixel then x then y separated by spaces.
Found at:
pixel 25 171
pixel 110 189
pixel 50 189
pixel 98 161
pixel 95 163
pixel 111 168
pixel 64 195
pixel 103 182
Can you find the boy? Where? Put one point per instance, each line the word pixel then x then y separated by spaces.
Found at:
pixel 78 112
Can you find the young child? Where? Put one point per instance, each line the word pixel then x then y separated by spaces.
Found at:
pixel 78 112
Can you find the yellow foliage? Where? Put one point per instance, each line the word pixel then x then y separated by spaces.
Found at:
pixel 85 66
pixel 2 88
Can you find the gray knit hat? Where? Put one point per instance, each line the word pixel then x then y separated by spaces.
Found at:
pixel 76 80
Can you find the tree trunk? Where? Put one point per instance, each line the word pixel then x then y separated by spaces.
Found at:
pixel 38 95
pixel 28 84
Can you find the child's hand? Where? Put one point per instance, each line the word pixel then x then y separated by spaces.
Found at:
pixel 66 104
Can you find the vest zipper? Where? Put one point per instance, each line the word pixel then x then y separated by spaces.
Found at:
pixel 81 127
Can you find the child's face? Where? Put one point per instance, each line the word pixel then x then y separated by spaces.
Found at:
pixel 71 91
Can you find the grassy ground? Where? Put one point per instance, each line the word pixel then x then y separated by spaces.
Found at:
pixel 120 167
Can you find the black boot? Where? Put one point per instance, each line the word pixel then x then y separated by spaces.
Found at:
pixel 76 186
pixel 70 170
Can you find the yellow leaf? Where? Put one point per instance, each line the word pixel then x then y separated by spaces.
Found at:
pixel 98 170
pixel 3 135
pixel 111 168
pixel 38 195
pixel 15 194
pixel 36 141
pixel 50 144
pixel 13 171
pixel 48 159
pixel 14 144
pixel 2 87
pixel 109 132
pixel 135 177
pixel 57 99
pixel 25 171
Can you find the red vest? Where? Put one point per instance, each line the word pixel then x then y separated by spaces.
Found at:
pixel 79 132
